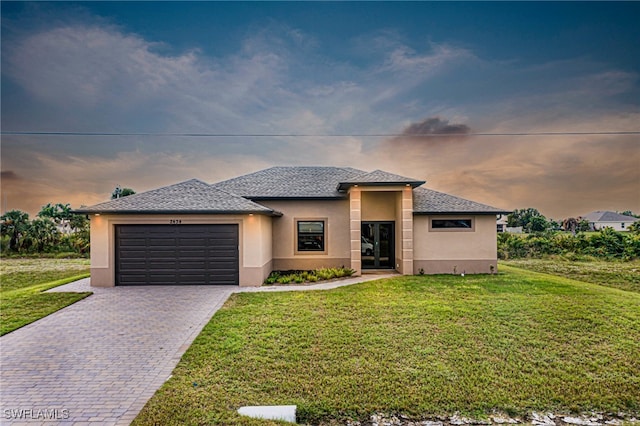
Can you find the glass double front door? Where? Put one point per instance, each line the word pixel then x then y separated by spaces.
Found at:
pixel 377 245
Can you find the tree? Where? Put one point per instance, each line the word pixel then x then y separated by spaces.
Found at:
pixel 121 192
pixel 574 225
pixel 62 216
pixel 14 224
pixel 570 224
pixel 583 225
pixel 56 212
pixel 43 234
pixel 629 213
pixel 79 222
pixel 634 228
pixel 537 224
pixel 59 213
pixel 525 218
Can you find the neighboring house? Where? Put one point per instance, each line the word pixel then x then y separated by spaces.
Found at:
pixel 237 231
pixel 64 227
pixel 501 223
pixel 603 219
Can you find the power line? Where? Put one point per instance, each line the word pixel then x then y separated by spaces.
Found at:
pixel 308 135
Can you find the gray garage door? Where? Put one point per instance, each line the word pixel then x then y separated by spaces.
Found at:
pixel 176 254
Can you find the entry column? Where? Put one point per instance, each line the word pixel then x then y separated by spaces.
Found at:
pixel 407 231
pixel 355 216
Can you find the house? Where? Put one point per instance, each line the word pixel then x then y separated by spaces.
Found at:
pixel 603 219
pixel 501 226
pixel 237 231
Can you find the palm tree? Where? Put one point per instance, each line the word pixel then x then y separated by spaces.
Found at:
pixel 60 214
pixel 14 224
pixel 43 234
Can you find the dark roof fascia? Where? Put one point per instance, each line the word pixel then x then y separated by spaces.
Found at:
pixel 172 212
pixel 296 198
pixel 497 212
pixel 342 186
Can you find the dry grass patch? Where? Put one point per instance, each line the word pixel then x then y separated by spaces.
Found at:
pixel 616 274
pixel 22 300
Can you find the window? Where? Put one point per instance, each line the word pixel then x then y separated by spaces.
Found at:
pixel 451 223
pixel 311 235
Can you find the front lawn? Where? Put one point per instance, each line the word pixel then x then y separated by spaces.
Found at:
pixel 421 345
pixel 23 281
pixel 617 274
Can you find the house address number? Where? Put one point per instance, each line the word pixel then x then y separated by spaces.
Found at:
pixel 175 221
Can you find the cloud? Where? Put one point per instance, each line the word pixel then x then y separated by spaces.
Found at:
pixel 88 75
pixel 561 175
pixel 404 59
pixel 424 138
pixel 435 126
pixel 8 175
pixel 87 180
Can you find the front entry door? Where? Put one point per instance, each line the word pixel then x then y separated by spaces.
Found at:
pixel 377 245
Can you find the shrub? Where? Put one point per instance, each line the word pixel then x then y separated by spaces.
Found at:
pixel 607 243
pixel 286 277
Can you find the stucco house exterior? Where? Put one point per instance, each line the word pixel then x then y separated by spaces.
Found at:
pixel 603 219
pixel 237 231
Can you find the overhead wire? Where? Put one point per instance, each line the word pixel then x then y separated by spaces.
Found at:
pixel 307 135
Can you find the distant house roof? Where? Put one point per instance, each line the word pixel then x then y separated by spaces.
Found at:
pixel 608 216
pixel 428 201
pixel 192 196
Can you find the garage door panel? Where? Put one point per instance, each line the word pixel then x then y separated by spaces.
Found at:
pixel 163 241
pixel 183 254
pixel 192 242
pixel 134 242
pixel 132 279
pixel 191 252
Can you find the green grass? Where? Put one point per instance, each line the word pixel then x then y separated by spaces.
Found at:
pixel 422 345
pixel 616 274
pixel 23 281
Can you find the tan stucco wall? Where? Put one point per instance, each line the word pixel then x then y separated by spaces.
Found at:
pixel 254 234
pixel 378 205
pixel 337 240
pixel 438 251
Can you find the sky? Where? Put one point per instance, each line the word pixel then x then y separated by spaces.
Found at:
pixel 106 94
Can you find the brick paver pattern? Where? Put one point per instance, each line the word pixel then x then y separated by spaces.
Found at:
pixel 99 360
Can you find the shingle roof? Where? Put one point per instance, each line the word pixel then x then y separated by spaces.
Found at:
pixel 235 195
pixel 608 216
pixel 192 196
pixel 290 182
pixel 426 201
pixel 379 177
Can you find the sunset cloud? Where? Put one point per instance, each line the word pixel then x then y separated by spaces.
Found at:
pixel 84 73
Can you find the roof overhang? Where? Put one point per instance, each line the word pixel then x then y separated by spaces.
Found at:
pixel 344 186
pixel 273 213
pixel 337 197
pixel 476 213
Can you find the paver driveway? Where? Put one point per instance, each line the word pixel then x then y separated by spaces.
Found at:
pixel 99 361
